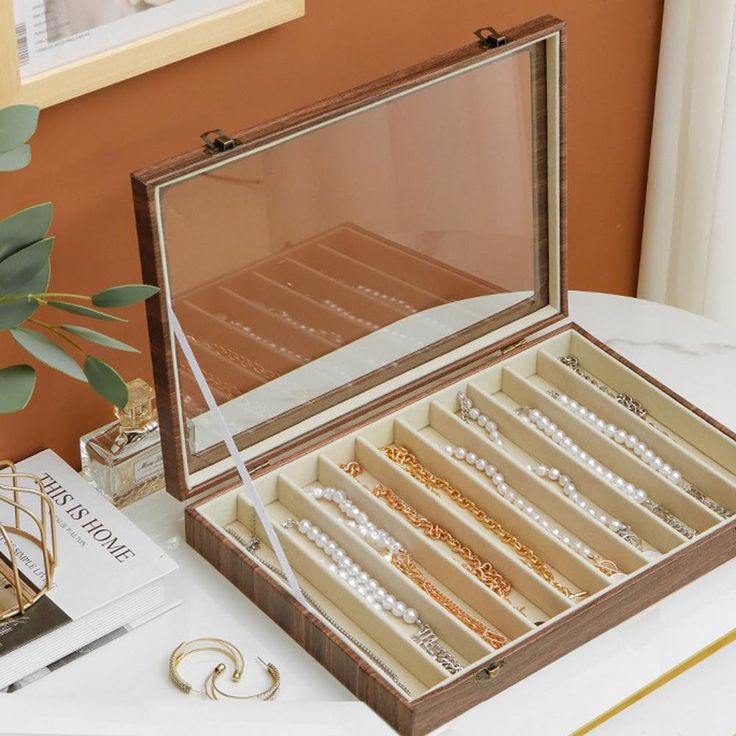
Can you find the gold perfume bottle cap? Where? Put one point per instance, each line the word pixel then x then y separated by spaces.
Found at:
pixel 140 409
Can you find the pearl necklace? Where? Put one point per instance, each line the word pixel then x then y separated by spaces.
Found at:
pixel 506 491
pixel 545 425
pixel 394 551
pixel 283 314
pixel 632 443
pixel 358 520
pixel 349 315
pixel 270 344
pixel 565 482
pixel 377 597
pixel 468 412
pixel 393 300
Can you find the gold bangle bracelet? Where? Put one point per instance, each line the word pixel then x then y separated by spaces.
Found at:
pixel 212 690
pixel 204 644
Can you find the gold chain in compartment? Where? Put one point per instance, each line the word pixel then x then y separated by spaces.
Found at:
pixel 404 562
pixel 228 390
pixel 484 571
pixel 408 461
pixel 233 356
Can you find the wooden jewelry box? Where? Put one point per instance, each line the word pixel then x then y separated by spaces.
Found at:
pixel 373 288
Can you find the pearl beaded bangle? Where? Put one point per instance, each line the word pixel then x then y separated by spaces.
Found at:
pixel 545 425
pixel 632 443
pixel 514 497
pixel 377 597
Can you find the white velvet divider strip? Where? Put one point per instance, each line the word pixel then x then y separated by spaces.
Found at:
pixel 220 426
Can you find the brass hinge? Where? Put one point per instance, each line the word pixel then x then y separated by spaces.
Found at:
pixel 490 38
pixel 490 672
pixel 257 468
pixel 513 346
pixel 217 141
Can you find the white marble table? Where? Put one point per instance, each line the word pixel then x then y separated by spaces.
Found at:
pixel 123 688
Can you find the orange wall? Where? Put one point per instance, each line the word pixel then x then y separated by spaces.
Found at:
pixel 85 149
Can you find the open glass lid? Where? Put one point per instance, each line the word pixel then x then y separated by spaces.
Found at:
pixel 322 260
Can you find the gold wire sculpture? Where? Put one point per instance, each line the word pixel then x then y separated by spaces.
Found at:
pixel 26 512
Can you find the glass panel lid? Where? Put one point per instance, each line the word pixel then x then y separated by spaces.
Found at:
pixel 308 267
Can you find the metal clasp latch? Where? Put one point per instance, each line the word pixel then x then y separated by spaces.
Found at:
pixel 490 672
pixel 221 141
pixel 490 37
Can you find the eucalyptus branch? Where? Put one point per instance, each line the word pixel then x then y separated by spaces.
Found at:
pixel 58 331
pixel 42 297
pixel 25 252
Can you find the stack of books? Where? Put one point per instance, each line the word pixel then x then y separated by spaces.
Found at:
pixel 109 578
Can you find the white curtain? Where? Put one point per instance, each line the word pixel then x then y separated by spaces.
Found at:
pixel 689 242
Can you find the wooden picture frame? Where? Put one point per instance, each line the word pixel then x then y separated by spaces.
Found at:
pixel 102 69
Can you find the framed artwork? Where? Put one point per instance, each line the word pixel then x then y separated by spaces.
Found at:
pixel 53 50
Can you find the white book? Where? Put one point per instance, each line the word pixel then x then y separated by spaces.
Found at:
pixel 109 574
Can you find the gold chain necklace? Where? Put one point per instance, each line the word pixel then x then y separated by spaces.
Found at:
pixel 408 461
pixel 484 571
pixel 233 356
pixel 404 562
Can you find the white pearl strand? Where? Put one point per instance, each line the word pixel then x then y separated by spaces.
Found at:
pixel 571 491
pixel 568 488
pixel 506 491
pixel 620 436
pixel 344 313
pixel 537 419
pixel 632 443
pixel 468 412
pixel 265 341
pixel 548 427
pixel 358 520
pixel 283 314
pixel 357 578
pixel 387 298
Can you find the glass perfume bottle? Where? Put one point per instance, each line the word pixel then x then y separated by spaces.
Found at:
pixel 123 459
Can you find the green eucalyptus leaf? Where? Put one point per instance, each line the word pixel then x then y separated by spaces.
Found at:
pixel 21 268
pixel 84 311
pixel 123 296
pixel 17 124
pixel 17 159
pixel 106 381
pixel 16 387
pixel 24 228
pixel 99 338
pixel 47 351
pixel 15 313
